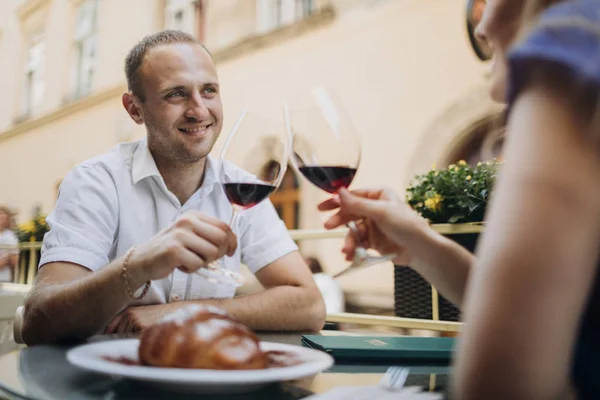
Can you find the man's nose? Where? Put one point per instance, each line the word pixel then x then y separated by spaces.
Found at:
pixel 197 108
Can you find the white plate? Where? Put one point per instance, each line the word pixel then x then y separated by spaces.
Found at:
pixel 92 358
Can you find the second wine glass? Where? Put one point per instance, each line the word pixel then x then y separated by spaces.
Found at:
pixel 326 151
pixel 252 164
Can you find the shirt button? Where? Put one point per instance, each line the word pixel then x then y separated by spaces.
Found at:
pixel 175 298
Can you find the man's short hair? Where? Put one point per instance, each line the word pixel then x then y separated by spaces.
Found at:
pixel 136 55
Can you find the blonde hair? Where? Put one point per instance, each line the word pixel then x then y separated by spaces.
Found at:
pixel 11 216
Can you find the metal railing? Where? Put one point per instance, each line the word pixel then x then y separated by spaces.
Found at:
pixel 28 265
pixel 26 269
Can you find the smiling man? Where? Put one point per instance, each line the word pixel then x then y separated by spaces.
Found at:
pixel 130 224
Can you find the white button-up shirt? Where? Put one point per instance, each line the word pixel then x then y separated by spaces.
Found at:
pixel 114 201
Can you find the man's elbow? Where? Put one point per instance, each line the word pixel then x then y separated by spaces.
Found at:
pixel 32 330
pixel 317 313
pixel 38 326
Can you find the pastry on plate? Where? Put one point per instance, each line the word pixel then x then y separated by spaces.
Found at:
pixel 205 337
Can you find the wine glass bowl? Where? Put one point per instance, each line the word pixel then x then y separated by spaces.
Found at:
pixel 326 150
pixel 326 146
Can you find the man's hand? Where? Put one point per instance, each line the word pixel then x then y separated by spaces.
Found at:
pixel 136 319
pixel 192 242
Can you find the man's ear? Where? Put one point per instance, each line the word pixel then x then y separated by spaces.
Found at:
pixel 133 107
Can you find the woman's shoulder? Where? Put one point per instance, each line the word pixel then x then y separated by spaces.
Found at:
pixel 568 35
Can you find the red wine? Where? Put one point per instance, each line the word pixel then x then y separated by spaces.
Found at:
pixel 330 179
pixel 247 195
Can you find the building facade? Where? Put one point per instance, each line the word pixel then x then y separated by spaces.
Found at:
pixel 405 70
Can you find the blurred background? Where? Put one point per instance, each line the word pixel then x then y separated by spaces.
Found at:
pixel 409 73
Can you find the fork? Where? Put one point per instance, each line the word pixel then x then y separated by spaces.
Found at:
pixel 394 378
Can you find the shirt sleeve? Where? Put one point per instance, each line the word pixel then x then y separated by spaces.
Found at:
pixel 84 223
pixel 12 240
pixel 264 237
pixel 566 35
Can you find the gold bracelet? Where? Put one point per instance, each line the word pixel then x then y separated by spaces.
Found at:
pixel 126 281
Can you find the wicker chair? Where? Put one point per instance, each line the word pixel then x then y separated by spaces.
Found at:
pixel 413 294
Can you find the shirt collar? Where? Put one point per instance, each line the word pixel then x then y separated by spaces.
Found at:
pixel 211 174
pixel 144 166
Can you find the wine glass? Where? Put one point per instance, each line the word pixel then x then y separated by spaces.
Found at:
pixel 326 151
pixel 252 165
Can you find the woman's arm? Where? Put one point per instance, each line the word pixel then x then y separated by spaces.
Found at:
pixel 444 264
pixel 392 227
pixel 538 258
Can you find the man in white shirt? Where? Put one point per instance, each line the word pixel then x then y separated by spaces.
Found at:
pixel 129 224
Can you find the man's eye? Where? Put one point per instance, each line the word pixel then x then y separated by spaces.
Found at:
pixel 178 93
pixel 210 90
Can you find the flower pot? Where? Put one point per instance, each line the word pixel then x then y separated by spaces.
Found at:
pixel 413 294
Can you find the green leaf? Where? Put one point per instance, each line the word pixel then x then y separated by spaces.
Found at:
pixel 455 218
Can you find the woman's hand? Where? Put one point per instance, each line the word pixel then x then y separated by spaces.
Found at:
pixel 385 223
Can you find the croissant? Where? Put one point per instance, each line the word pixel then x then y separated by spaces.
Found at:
pixel 203 337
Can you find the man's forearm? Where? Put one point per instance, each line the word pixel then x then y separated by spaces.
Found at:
pixel 285 308
pixel 445 264
pixel 75 309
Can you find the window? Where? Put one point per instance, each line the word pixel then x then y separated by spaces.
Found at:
pixel 186 16
pixel 273 14
pixel 85 48
pixel 34 76
pixel 286 199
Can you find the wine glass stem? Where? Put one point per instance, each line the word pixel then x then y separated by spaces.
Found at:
pixel 188 283
pixel 352 226
pixel 234 215
pixel 360 252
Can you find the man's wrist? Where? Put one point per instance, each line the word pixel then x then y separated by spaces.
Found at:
pixel 132 272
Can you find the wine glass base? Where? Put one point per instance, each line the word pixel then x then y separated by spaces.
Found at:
pixel 364 262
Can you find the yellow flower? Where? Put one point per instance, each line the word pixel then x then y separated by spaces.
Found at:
pixel 468 177
pixel 434 203
pixel 436 173
pixel 419 204
pixel 451 166
pixel 433 166
pixel 27 227
pixel 455 169
pixel 479 164
pixel 462 162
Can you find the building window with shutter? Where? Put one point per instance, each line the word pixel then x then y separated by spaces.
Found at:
pixel 273 14
pixel 85 44
pixel 33 91
pixel 186 16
